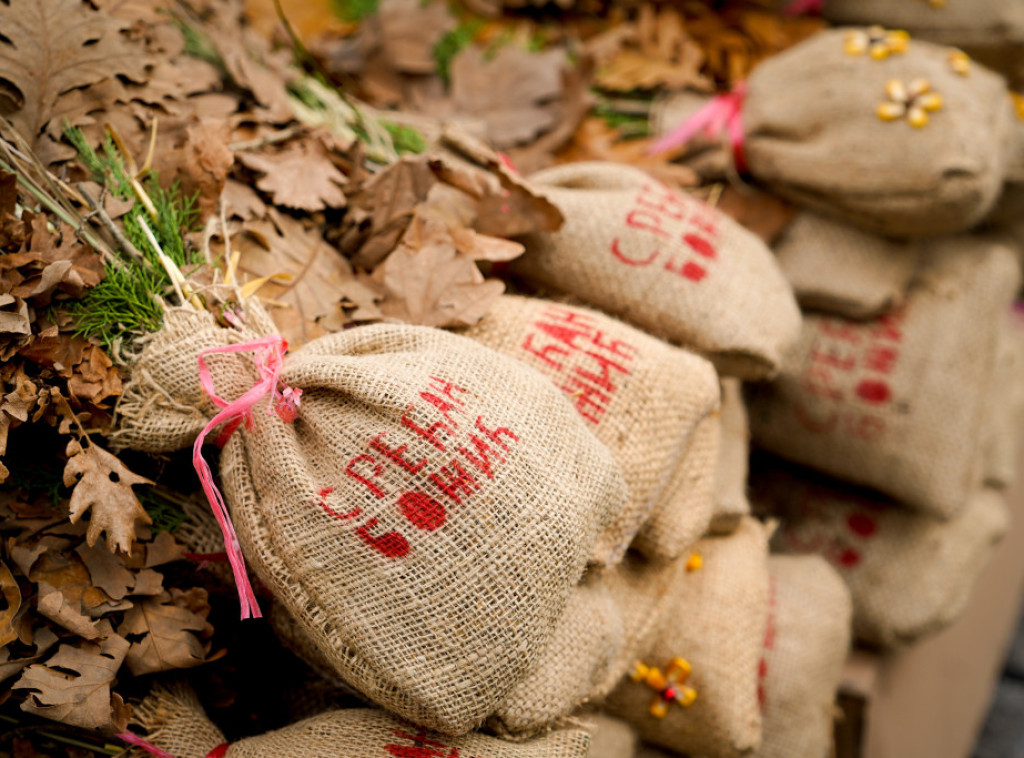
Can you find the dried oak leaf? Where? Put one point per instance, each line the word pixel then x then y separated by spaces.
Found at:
pixel 300 176
pixel 662 54
pixel 12 599
pixel 104 484
pixel 206 162
pixel 49 47
pixel 432 279
pixel 66 612
pixel 42 640
pixel 516 92
pixel 73 685
pixel 163 630
pixel 409 32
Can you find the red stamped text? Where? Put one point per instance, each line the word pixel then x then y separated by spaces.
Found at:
pixel 421 745
pixel 837 527
pixel 468 451
pixel 681 233
pixel 586 363
pixel 846 385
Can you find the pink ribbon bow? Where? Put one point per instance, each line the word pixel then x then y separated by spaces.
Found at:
pixel 269 355
pixel 723 113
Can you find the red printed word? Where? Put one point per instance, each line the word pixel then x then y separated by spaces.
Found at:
pixel 846 383
pixel 586 363
pixel 423 746
pixel 464 451
pixel 819 528
pixel 769 645
pixel 687 225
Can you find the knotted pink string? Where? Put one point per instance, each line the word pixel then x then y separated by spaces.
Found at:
pixel 149 747
pixel 804 7
pixel 724 113
pixel 269 356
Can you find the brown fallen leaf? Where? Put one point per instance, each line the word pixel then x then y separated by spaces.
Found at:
pixel 765 215
pixel 106 571
pixel 73 685
pixel 66 613
pixel 163 549
pixel 208 159
pixel 164 635
pixel 409 31
pixel 300 176
pixel 12 599
pixel 516 92
pixel 42 641
pixel 50 47
pixel 103 483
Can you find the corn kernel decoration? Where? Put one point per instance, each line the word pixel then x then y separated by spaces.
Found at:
pixel 671 686
pixel 876 41
pixel 913 102
pixel 936 3
pixel 1018 104
pixel 695 562
pixel 960 62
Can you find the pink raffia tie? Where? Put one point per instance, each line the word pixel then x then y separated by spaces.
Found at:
pixel 269 357
pixel 804 8
pixel 722 115
pixel 149 747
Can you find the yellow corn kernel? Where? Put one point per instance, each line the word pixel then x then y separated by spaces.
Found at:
pixel 680 664
pixel 659 708
pixel 640 671
pixel 891 111
pixel 687 697
pixel 960 62
pixel 897 40
pixel 855 43
pixel 931 102
pixel 657 680
pixel 879 51
pixel 917 116
pixel 919 87
pixel 695 562
pixel 896 91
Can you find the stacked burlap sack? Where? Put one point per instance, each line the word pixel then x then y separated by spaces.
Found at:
pixel 480 533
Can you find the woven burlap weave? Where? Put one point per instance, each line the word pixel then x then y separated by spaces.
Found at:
pixel 991 30
pixel 424 519
pixel 813 136
pixel 666 262
pixel 899 403
pixel 839 269
pixel 1006 408
pixel 731 503
pixel 715 618
pixel 805 648
pixel 177 724
pixel 910 575
pixel 640 396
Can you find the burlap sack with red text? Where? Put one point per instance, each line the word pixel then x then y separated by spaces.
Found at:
pixel 714 618
pixel 177 724
pixel 814 136
pixel 910 575
pixel 806 645
pixel 899 403
pixel 990 30
pixel 731 503
pixel 642 398
pixel 424 519
pixel 666 262
pixel 609 737
pixel 837 268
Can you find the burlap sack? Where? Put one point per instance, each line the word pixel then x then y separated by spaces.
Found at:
pixel 609 737
pixel 837 268
pixel 640 396
pixel 714 618
pixel 899 403
pixel 806 645
pixel 990 30
pixel 1006 403
pixel 672 529
pixel 417 518
pixel 909 574
pixel 731 503
pixel 177 724
pixel 814 136
pixel 666 262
